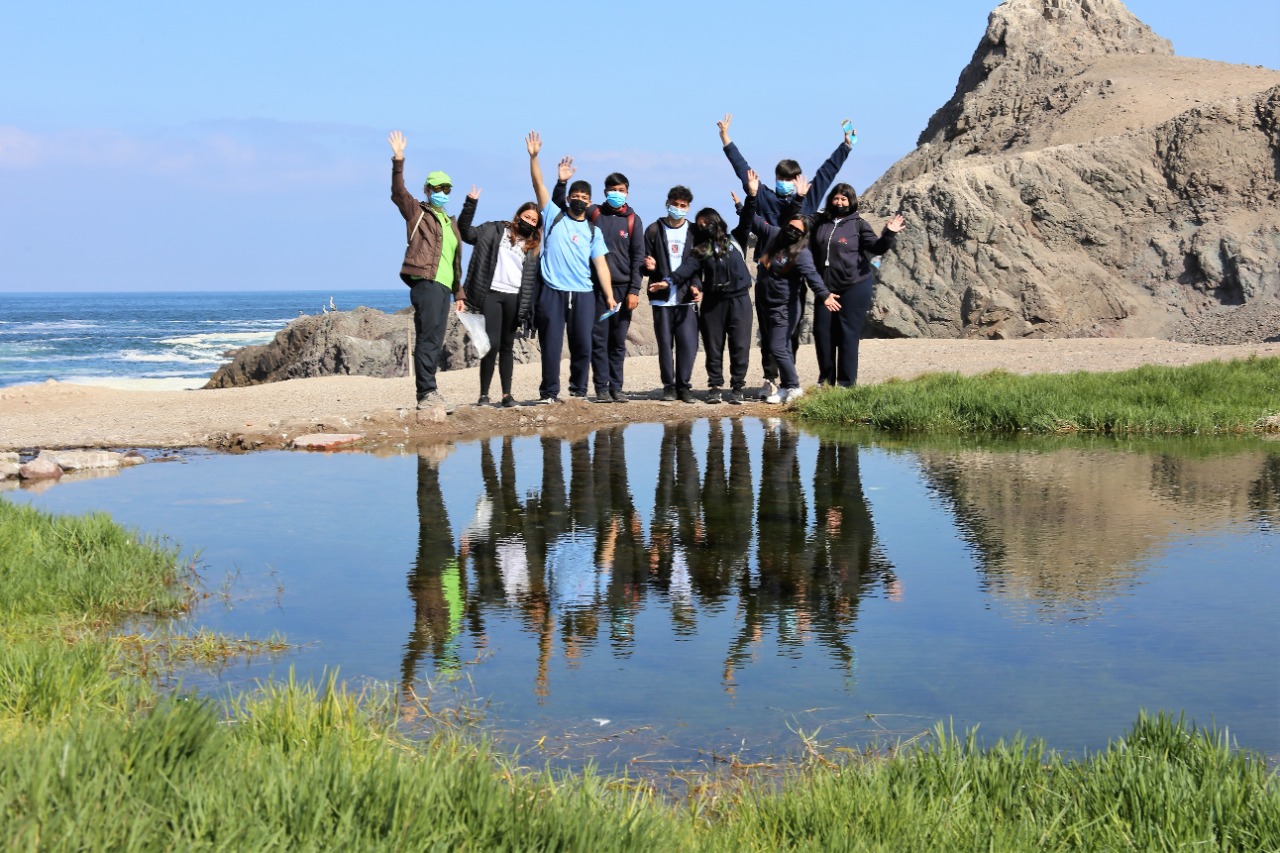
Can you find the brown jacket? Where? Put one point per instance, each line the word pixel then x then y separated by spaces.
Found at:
pixel 423 234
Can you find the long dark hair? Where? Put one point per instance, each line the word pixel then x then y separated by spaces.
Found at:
pixel 839 189
pixel 775 251
pixel 714 238
pixel 531 242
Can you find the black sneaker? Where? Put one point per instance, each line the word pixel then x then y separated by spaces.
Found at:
pixel 713 396
pixel 686 395
pixel 734 397
pixel 483 401
pixel 669 394
pixel 508 402
pixel 619 396
pixel 603 395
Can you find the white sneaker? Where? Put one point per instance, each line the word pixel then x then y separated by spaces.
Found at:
pixel 790 395
pixel 774 398
pixel 767 390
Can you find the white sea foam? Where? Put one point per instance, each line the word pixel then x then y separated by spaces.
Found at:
pixel 173 357
pixel 219 340
pixel 130 383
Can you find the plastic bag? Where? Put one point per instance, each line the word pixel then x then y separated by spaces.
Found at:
pixel 474 324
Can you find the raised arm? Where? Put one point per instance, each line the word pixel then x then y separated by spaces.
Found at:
pixel 826 175
pixel 465 229
pixel 750 211
pixel 533 142
pixel 560 193
pixel 402 197
pixel 736 160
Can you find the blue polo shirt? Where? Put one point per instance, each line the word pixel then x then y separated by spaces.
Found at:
pixel 567 250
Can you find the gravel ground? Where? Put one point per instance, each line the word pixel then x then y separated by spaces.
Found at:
pixel 54 414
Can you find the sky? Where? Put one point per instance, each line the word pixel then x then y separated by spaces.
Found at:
pixel 242 146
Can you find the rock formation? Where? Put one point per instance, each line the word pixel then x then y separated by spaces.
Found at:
pixel 368 342
pixel 1084 181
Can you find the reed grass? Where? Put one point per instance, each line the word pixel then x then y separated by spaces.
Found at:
pixel 93 759
pixel 1213 398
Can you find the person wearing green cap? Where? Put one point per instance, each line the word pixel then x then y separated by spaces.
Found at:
pixel 432 269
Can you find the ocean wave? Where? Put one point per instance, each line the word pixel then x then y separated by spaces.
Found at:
pixel 220 340
pixel 134 383
pixel 173 357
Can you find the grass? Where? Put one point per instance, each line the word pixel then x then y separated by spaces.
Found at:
pixel 1214 398
pixel 92 757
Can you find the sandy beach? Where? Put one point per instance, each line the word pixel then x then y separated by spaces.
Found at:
pixel 61 415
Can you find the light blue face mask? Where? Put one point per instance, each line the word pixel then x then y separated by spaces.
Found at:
pixel 677 212
pixel 439 199
pixel 785 188
pixel 615 198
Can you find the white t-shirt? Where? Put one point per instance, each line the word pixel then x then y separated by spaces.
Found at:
pixel 510 267
pixel 675 239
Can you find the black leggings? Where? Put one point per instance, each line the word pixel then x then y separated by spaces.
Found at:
pixel 500 324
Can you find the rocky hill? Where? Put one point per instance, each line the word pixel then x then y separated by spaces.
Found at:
pixel 1085 181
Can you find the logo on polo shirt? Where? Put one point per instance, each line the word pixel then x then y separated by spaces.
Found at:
pixel 573 237
pixel 622 232
pixel 843 240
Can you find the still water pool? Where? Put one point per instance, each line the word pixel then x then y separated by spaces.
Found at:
pixel 669 593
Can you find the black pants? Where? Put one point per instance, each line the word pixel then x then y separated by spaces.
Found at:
pixel 676 327
pixel 431 305
pixel 609 342
pixel 500 324
pixel 767 361
pixel 561 311
pixel 779 324
pixel 836 335
pixel 726 317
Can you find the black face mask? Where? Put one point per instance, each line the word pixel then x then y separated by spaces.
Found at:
pixel 524 228
pixel 577 206
pixel 838 210
pixel 791 235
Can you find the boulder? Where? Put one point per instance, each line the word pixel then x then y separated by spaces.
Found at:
pixel 40 468
pixel 326 441
pixel 77 460
pixel 9 470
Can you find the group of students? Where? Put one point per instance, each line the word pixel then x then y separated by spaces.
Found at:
pixel 567 269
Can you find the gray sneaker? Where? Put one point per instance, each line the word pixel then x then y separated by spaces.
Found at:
pixel 435 400
pixel 714 396
pixel 767 390
pixel 734 397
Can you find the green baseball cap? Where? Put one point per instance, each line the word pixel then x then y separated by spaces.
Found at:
pixel 437 179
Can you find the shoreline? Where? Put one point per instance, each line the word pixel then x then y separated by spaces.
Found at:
pixel 65 415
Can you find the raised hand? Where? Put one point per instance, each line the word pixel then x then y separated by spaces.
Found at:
pixel 802 186
pixel 848 135
pixel 723 124
pixel 753 182
pixel 566 170
pixel 533 142
pixel 897 223
pixel 397 141
pixel 475 192
pixel 737 202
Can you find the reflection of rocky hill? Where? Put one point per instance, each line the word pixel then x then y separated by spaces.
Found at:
pixel 1083 180
pixel 1067 527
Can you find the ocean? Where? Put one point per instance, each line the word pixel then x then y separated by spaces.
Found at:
pixel 151 340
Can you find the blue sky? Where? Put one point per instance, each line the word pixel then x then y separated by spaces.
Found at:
pixel 148 146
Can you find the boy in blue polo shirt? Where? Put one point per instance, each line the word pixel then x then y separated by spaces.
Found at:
pixel 571 247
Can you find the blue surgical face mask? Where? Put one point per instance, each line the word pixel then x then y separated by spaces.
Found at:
pixel 785 188
pixel 439 199
pixel 615 198
pixel 677 212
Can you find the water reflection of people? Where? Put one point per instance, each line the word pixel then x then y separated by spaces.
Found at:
pixel 436 582
pixel 674 530
pixel 809 586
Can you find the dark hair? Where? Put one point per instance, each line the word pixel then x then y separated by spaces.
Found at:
pixel 531 242
pixel 840 189
pixel 714 239
pixel 773 252
pixel 787 170
pixel 681 193
pixel 580 187
pixel 616 178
